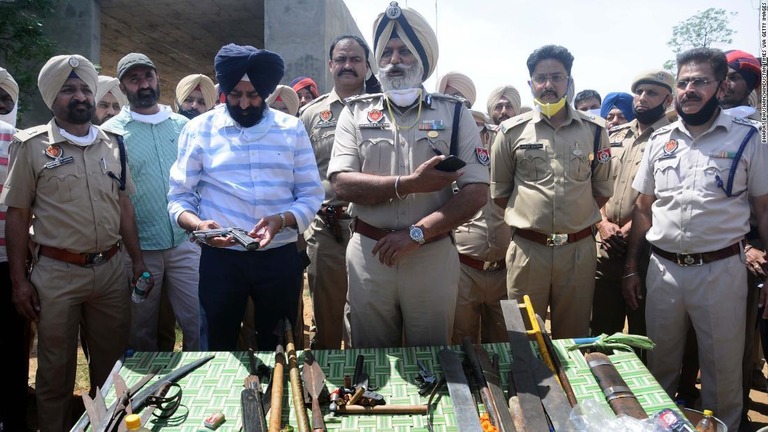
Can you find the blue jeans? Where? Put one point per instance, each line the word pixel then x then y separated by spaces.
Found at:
pixel 272 278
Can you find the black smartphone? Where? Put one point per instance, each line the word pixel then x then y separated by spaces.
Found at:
pixel 450 163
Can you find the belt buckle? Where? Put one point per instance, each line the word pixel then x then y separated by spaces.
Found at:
pixel 492 266
pixel 96 259
pixel 687 260
pixel 557 239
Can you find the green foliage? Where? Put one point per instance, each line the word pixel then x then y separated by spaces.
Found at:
pixel 23 46
pixel 706 29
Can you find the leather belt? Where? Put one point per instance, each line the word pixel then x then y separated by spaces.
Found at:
pixel 482 265
pixel 377 234
pixel 697 259
pixel 338 212
pixel 554 239
pixel 83 259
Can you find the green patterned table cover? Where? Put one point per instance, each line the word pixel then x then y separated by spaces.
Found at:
pixel 216 386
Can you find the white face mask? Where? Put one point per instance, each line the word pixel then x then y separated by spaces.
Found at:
pixel 404 97
pixel 10 118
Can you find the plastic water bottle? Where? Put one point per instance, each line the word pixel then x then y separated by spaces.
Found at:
pixel 133 423
pixel 706 424
pixel 140 289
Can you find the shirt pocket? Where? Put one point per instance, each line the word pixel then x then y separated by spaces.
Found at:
pixel 579 165
pixel 66 182
pixel 532 164
pixel 377 155
pixel 666 174
pixel 716 174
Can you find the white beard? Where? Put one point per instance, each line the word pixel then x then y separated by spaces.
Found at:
pixel 410 79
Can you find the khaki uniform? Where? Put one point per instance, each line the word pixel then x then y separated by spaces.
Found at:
pixel 692 214
pixel 609 308
pixel 482 244
pixel 417 297
pixel 75 207
pixel 546 176
pixel 329 233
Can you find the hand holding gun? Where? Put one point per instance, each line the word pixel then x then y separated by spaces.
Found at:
pixel 238 234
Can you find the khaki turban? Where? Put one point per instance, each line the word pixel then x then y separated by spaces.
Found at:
pixel 8 84
pixel 108 84
pixel 480 116
pixel 287 95
pixel 56 71
pixel 190 83
pixel 509 92
pixel 460 82
pixel 414 31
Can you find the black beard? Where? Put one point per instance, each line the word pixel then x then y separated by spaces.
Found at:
pixel 144 98
pixel 704 115
pixel 80 117
pixel 246 117
pixel 190 114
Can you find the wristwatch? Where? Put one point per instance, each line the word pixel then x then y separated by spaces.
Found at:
pixel 416 234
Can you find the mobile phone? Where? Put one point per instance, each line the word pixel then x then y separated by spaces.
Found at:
pixel 450 163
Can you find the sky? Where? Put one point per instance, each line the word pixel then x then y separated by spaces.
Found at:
pixel 612 40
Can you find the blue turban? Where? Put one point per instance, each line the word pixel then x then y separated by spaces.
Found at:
pixel 622 101
pixel 264 68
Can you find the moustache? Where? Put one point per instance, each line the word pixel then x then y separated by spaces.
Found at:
pixel 347 72
pixel 146 92
pixel 75 104
pixel 690 99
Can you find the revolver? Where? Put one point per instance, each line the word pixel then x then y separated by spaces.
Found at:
pixel 240 235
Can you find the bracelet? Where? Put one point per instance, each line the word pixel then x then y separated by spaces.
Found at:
pixel 282 222
pixel 629 275
pixel 397 194
pixel 748 247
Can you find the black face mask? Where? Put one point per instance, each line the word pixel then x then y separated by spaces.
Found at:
pixel 650 116
pixel 246 117
pixel 704 114
pixel 190 113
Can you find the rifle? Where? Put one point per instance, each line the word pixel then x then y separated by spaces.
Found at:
pixel 240 235
pixel 250 399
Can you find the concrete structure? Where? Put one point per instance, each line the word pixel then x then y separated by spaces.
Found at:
pixel 183 36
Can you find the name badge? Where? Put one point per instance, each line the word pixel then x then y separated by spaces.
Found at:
pixel 537 146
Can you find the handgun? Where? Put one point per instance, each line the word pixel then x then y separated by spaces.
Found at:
pixel 240 235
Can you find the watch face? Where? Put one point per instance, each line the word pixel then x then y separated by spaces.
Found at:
pixel 417 234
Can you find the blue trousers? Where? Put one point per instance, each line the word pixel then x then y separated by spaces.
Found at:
pixel 272 278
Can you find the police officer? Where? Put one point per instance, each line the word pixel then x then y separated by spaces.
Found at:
pixel 403 267
pixel 550 170
pixel 329 233
pixel 503 103
pixel 652 91
pixel 69 180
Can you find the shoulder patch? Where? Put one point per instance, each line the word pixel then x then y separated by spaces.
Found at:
pixel 515 121
pixel 27 134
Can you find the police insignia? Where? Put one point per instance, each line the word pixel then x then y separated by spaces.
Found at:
pixel 53 151
pixel 393 11
pixel 604 155
pixel 374 115
pixel 482 155
pixel 326 115
pixel 670 147
pixel 74 62
pixel 660 76
pixel 432 125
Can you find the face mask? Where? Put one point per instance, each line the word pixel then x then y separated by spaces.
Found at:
pixel 403 98
pixel 190 113
pixel 701 117
pixel 10 118
pixel 550 109
pixel 650 116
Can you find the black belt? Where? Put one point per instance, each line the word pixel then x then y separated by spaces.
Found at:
pixel 697 259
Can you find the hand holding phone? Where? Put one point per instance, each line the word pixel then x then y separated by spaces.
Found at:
pixel 450 164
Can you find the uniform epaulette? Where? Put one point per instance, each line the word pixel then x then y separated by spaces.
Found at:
pixel 662 130
pixel 591 118
pixel 315 101
pixel 747 122
pixel 362 97
pixel 27 134
pixel 447 97
pixel 618 128
pixel 515 121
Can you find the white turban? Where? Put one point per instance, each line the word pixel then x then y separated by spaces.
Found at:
pixel 190 83
pixel 413 29
pixel 460 82
pixel 108 84
pixel 57 70
pixel 509 93
pixel 288 96
pixel 10 86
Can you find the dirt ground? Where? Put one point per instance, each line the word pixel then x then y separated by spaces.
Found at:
pixel 758 412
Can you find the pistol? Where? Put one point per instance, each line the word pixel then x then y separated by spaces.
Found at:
pixel 240 235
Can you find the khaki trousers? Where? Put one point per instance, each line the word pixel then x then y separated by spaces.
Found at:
pixel 478 308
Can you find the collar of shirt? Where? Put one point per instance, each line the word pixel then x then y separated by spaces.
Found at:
pixel 723 120
pixel 54 136
pixel 569 116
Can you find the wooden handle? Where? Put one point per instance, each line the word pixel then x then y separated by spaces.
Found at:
pixel 356 396
pixel 297 393
pixel 318 423
pixel 276 404
pixel 382 409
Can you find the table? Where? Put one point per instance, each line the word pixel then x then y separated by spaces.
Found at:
pixel 216 386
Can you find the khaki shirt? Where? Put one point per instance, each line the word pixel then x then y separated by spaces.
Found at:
pixel 691 213
pixel 619 207
pixel 546 173
pixel 320 118
pixel 75 205
pixel 486 236
pixel 370 140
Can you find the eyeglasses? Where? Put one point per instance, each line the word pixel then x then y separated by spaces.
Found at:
pixel 697 83
pixel 553 78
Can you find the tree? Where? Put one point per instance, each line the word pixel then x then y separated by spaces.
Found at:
pixel 23 46
pixel 703 30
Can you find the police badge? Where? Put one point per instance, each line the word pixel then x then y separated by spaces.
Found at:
pixel 55 152
pixel 483 155
pixel 393 11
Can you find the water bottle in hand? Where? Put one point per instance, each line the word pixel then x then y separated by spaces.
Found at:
pixel 140 289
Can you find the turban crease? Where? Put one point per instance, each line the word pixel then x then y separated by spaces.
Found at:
pixel 460 82
pixel 191 82
pixel 57 71
pixel 287 95
pixel 509 93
